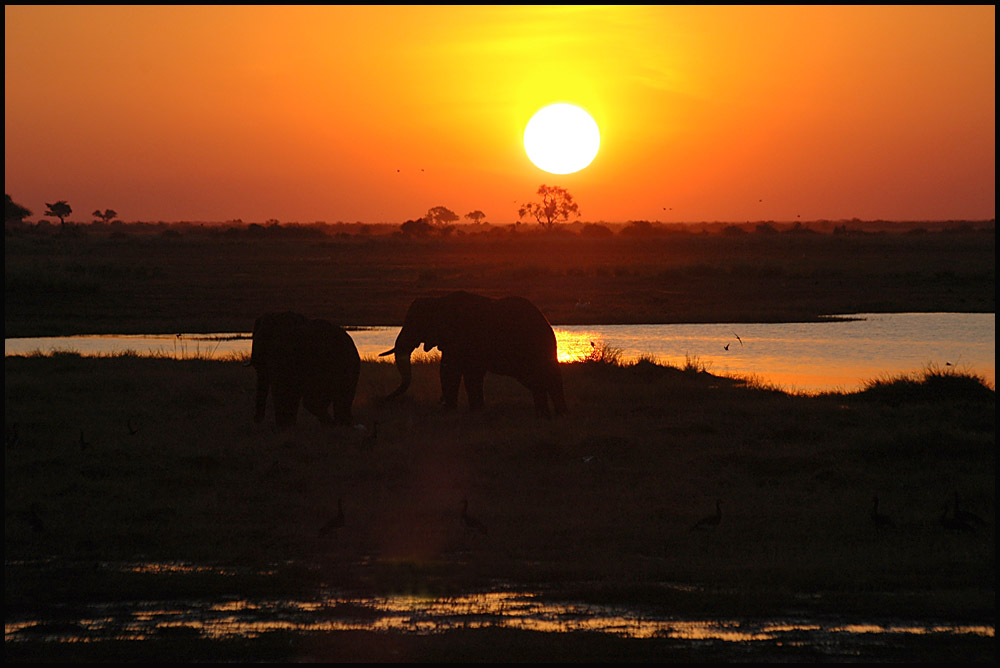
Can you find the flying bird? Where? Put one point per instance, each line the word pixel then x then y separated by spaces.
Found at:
pixel 738 338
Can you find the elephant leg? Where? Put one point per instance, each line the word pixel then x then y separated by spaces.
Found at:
pixel 451 378
pixel 474 388
pixel 261 403
pixel 556 391
pixel 318 405
pixel 286 405
pixel 541 403
pixel 343 400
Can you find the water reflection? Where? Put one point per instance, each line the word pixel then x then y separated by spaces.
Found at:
pixel 412 615
pixel 803 357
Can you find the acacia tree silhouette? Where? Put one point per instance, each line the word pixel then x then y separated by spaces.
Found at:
pixel 557 204
pixel 107 216
pixel 60 210
pixel 441 215
pixel 14 211
pixel 476 216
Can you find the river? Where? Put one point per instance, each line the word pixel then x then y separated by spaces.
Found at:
pixel 839 354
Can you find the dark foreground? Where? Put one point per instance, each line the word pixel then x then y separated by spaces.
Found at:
pixel 492 645
pixel 127 460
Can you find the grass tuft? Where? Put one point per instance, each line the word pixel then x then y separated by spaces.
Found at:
pixel 932 384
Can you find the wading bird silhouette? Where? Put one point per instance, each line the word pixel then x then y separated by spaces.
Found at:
pixel 880 520
pixel 709 522
pixel 965 515
pixel 953 524
pixel 336 522
pixel 470 522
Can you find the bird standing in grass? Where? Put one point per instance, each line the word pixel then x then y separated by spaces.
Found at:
pixel 470 522
pixel 336 522
pixel 954 524
pixel 709 522
pixel 966 516
pixel 880 520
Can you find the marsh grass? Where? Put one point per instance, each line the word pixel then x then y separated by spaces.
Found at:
pixel 933 383
pixel 606 494
pixel 594 506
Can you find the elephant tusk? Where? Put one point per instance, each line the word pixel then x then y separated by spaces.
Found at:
pixel 248 363
pixel 388 352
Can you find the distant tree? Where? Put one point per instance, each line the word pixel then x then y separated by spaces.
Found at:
pixel 60 210
pixel 14 211
pixel 107 216
pixel 416 228
pixel 440 215
pixel 595 231
pixel 476 216
pixel 638 228
pixel 556 204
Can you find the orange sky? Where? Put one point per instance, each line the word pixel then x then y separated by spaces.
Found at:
pixel 306 113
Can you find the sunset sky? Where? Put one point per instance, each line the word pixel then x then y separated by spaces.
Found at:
pixel 377 114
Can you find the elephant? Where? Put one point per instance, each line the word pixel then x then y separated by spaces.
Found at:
pixel 302 360
pixel 476 335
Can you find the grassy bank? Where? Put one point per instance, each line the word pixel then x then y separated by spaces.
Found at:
pixel 153 460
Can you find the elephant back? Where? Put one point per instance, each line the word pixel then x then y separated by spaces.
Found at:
pixel 330 346
pixel 521 332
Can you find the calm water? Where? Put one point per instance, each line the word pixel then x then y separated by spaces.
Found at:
pixel 801 357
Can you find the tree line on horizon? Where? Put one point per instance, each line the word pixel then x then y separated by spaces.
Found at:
pixel 551 212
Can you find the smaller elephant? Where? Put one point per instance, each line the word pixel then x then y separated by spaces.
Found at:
pixel 299 360
pixel 476 335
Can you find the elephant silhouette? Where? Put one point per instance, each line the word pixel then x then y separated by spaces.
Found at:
pixel 300 360
pixel 475 334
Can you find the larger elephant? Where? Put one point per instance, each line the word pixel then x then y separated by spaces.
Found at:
pixel 299 360
pixel 476 335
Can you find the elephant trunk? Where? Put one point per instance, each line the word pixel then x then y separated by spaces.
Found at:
pixel 402 351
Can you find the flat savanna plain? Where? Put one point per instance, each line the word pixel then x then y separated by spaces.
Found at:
pixel 126 459
pixel 200 283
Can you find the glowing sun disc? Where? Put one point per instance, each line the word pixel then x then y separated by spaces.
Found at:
pixel 561 138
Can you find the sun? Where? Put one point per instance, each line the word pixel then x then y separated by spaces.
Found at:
pixel 561 138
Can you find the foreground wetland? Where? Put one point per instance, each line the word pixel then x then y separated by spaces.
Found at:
pixel 147 516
